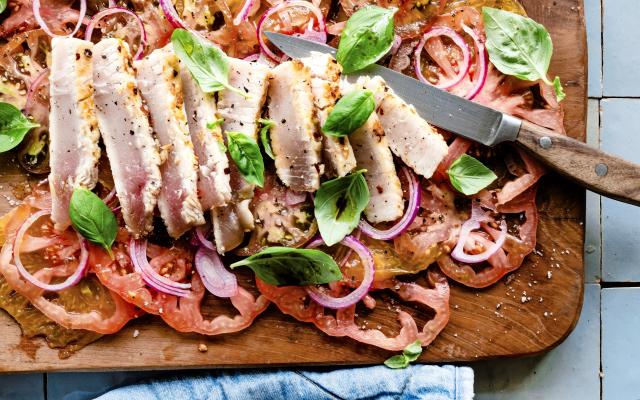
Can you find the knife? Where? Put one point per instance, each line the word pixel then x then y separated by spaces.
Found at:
pixel 594 169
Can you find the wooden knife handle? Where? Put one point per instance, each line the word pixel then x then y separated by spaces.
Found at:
pixel 594 169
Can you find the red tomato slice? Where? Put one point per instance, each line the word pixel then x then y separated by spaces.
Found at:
pixel 293 300
pixel 509 257
pixel 88 305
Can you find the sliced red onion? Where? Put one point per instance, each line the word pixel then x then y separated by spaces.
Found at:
pixel 243 15
pixel 459 41
pixel 397 41
pixel 483 63
pixel 215 276
pixel 322 28
pixel 410 214
pixel 33 89
pixel 291 197
pixel 252 57
pixel 72 280
pixel 356 295
pixel 477 217
pixel 201 234
pixel 110 196
pixel 138 253
pixel 45 27
pixel 117 10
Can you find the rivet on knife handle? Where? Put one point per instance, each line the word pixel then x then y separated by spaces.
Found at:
pixel 594 169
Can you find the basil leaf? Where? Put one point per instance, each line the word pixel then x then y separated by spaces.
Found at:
pixel 366 38
pixel 409 354
pixel 349 113
pixel 13 127
pixel 557 87
pixel 245 153
pixel 413 351
pixel 338 205
pixel 519 46
pixel 284 266
pixel 215 123
pixel 3 5
pixel 398 361
pixel 208 64
pixel 469 176
pixel 267 124
pixel 92 218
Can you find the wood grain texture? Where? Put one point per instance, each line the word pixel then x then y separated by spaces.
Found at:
pixel 596 170
pixel 528 315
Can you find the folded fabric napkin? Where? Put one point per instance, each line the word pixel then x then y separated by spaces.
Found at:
pixel 425 382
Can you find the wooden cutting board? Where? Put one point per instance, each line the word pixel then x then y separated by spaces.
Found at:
pixel 528 313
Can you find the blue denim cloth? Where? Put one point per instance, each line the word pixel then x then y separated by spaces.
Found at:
pixel 426 382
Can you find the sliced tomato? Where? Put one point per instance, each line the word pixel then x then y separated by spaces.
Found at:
pixel 517 246
pixel 294 301
pixel 434 230
pixel 282 218
pixel 185 314
pixel 523 181
pixel 87 305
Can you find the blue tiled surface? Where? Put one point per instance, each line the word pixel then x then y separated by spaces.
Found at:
pixel 621 48
pixel 570 371
pixel 593 15
pixel 620 122
pixel 620 343
pixel 22 386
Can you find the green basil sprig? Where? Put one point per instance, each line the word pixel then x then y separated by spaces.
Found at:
pixel 93 219
pixel 339 204
pixel 245 153
pixel 469 176
pixel 14 126
pixel 366 38
pixel 409 355
pixel 519 46
pixel 349 113
pixel 287 266
pixel 267 124
pixel 3 5
pixel 215 123
pixel 208 64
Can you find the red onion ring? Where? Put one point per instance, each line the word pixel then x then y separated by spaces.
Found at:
pixel 243 15
pixel 291 197
pixel 215 276
pixel 483 63
pixel 138 253
pixel 110 196
pixel 358 294
pixel 201 235
pixel 116 10
pixel 458 40
pixel 33 89
pixel 252 57
pixel 397 41
pixel 322 28
pixel 477 216
pixel 45 27
pixel 72 280
pixel 410 214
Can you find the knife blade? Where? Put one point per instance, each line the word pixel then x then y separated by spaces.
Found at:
pixel 594 169
pixel 440 108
